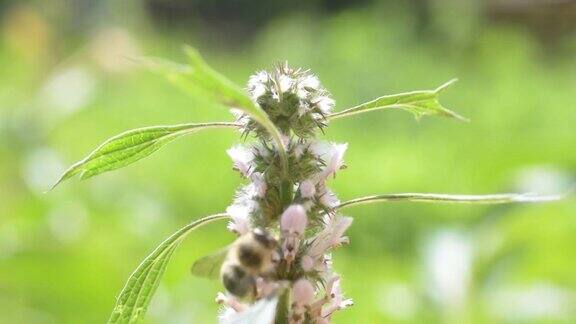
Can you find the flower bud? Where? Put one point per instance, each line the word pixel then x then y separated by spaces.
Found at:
pixel 303 292
pixel 293 221
pixel 307 263
pixel 307 189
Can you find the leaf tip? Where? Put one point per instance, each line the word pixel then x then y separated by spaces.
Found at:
pixel 446 85
pixel 534 197
pixel 65 176
pixel 193 54
pixel 52 187
pixel 457 116
pixel 447 112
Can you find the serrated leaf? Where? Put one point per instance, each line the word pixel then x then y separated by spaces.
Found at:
pixel 261 312
pixel 453 199
pixel 200 80
pixel 209 266
pixel 131 146
pixel 419 103
pixel 136 295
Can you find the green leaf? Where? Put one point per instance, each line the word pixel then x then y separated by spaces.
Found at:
pixel 447 198
pixel 136 295
pixel 420 103
pixel 131 146
pixel 200 80
pixel 209 266
pixel 261 312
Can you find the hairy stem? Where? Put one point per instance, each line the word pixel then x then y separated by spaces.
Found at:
pixel 448 198
pixel 283 308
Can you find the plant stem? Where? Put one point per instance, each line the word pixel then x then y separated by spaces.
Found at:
pixel 454 199
pixel 282 309
pixel 286 192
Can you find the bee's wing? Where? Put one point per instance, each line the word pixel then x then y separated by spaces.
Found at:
pixel 209 266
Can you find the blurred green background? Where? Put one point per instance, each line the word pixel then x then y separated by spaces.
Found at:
pixel 67 82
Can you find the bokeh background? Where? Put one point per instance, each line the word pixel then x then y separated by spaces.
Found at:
pixel 68 81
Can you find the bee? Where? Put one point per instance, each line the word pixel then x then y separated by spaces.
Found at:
pixel 254 254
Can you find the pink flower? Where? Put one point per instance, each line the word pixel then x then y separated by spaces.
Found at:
pixel 302 296
pixel 331 236
pixel 259 184
pixel 303 292
pixel 265 287
pixel 320 263
pixel 257 84
pixel 293 221
pixel 307 189
pixel 241 118
pixel 335 298
pixel 307 262
pixel 327 198
pixel 292 225
pixel 230 301
pixel 300 148
pixel 325 104
pixel 240 215
pixel 336 160
pixel 242 158
pixel 332 154
pixel 285 140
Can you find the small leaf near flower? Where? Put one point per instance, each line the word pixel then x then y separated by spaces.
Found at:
pixel 201 80
pixel 136 295
pixel 419 103
pixel 209 266
pixel 131 146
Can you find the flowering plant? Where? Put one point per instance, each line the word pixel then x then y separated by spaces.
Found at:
pixel 287 199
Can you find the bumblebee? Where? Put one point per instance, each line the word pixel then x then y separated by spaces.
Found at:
pixel 254 254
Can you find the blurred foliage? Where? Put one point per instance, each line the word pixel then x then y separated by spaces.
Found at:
pixel 67 83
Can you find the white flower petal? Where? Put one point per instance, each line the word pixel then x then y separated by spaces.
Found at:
pixel 259 183
pixel 325 104
pixel 242 158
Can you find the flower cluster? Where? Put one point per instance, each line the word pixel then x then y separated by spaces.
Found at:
pixel 308 226
pixel 293 99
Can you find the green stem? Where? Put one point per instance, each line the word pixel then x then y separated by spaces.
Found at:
pixel 283 308
pixel 454 199
pixel 286 192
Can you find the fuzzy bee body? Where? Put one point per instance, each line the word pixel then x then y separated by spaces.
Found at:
pixel 252 255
